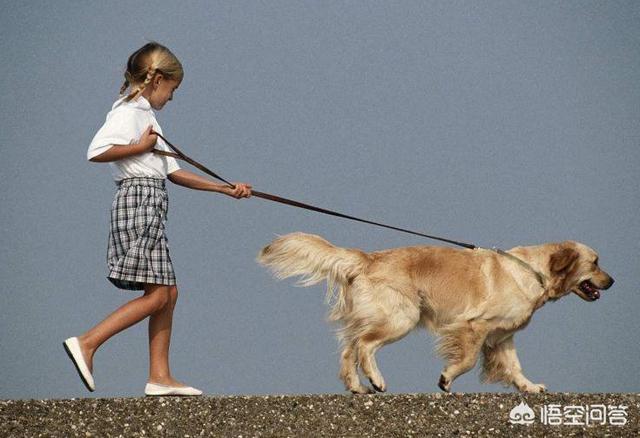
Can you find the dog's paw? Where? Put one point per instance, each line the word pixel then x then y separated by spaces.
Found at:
pixel 533 388
pixel 380 387
pixel 444 383
pixel 362 390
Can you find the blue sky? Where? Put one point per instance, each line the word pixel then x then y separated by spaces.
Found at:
pixel 498 123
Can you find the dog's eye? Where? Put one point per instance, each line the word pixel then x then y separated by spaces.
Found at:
pixel 595 262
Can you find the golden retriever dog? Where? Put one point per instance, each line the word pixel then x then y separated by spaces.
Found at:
pixel 474 300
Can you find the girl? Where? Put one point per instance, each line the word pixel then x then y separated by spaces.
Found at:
pixel 138 254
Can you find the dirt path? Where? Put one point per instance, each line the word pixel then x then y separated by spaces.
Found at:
pixel 398 415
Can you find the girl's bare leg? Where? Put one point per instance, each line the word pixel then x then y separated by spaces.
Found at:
pixel 155 298
pixel 159 339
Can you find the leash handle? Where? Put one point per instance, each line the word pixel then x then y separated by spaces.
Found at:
pixel 179 155
pixel 182 156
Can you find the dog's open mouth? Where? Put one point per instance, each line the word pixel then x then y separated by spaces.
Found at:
pixel 589 291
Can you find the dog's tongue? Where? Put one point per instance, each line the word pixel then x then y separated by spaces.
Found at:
pixel 588 288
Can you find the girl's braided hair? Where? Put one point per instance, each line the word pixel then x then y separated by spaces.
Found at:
pixel 144 63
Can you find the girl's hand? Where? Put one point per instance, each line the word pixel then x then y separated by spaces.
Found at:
pixel 241 190
pixel 147 140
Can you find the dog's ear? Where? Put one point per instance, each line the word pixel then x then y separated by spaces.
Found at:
pixel 562 259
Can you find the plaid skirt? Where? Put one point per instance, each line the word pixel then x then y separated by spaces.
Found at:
pixel 138 251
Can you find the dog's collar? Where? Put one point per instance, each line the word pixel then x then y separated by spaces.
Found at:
pixel 542 279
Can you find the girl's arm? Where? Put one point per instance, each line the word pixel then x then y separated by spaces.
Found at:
pixel 188 179
pixel 118 151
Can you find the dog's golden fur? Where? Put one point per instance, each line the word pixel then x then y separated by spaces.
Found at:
pixel 473 300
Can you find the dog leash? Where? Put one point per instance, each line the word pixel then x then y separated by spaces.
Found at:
pixel 180 155
pixel 542 279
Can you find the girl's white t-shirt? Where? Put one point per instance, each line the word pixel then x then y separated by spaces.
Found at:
pixel 125 124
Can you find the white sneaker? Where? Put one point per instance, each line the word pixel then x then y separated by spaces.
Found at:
pixel 158 389
pixel 72 347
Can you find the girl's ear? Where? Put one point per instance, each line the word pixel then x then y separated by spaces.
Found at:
pixel 156 80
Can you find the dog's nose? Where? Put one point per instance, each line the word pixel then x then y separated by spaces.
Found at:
pixel 611 281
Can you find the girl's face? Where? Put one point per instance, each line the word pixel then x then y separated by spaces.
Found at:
pixel 161 91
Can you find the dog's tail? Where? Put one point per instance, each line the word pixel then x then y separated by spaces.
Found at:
pixel 314 259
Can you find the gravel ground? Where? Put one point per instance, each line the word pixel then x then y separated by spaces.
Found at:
pixel 401 415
